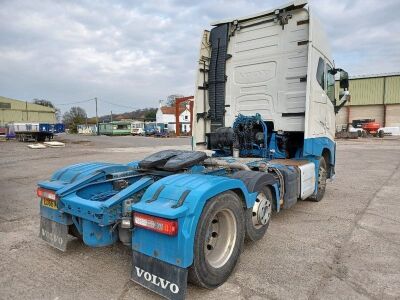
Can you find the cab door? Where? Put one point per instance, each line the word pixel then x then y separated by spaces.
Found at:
pixel 330 125
pixel 316 106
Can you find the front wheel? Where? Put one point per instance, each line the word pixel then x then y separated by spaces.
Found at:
pixel 218 241
pixel 322 176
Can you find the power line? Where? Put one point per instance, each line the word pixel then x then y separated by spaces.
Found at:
pixel 120 105
pixel 81 101
pixel 93 99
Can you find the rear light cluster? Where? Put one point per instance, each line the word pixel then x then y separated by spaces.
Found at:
pixel 42 193
pixel 165 226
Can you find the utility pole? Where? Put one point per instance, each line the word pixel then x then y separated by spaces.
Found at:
pixel 97 118
pixel 111 117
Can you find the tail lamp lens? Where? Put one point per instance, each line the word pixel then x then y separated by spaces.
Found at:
pixel 161 225
pixel 43 193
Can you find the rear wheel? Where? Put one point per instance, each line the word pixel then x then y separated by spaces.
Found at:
pixel 322 176
pixel 218 241
pixel 72 230
pixel 258 217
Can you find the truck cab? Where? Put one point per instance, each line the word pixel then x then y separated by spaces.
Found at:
pixel 277 64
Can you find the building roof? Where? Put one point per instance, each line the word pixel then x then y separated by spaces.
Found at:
pixel 23 105
pixel 170 110
pixel 375 75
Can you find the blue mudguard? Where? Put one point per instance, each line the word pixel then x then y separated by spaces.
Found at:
pixel 93 219
pixel 181 197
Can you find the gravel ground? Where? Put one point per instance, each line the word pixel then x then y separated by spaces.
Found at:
pixel 346 246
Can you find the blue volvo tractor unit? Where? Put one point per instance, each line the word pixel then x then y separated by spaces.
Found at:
pixel 263 136
pixel 184 214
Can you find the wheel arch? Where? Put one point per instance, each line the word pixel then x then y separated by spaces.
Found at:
pixel 241 195
pixel 327 155
pixel 254 181
pixel 178 250
pixel 314 148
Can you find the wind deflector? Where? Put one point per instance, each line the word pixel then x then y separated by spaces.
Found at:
pixel 216 75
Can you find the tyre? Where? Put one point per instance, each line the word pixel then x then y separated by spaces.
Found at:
pixel 258 217
pixel 322 176
pixel 218 241
pixel 72 230
pixel 381 133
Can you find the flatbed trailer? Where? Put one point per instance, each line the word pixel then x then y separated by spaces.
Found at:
pixel 38 136
pixel 262 138
pixel 27 132
pixel 39 132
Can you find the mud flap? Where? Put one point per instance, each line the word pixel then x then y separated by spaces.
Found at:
pixel 160 277
pixel 54 233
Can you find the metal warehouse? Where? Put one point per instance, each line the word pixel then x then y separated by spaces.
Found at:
pixel 372 97
pixel 12 110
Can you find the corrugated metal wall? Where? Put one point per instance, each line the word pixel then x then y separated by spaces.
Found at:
pixel 376 90
pixel 366 91
pixel 367 112
pixel 342 118
pixel 12 110
pixel 392 115
pixel 392 94
pixel 369 97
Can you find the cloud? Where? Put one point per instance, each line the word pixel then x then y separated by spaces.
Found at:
pixel 364 34
pixel 136 52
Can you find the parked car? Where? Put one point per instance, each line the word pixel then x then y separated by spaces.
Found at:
pixel 137 131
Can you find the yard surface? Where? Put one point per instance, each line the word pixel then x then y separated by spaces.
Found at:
pixel 346 246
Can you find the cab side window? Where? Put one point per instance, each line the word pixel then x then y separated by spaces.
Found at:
pixel 321 73
pixel 330 83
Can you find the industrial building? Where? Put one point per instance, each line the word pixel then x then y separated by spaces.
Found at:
pixel 17 111
pixel 372 97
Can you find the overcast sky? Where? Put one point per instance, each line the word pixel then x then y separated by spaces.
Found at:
pixel 133 53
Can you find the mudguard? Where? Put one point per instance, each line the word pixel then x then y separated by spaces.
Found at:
pixel 82 173
pixel 181 197
pixel 93 219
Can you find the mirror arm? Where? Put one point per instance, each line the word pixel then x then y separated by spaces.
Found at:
pixel 339 107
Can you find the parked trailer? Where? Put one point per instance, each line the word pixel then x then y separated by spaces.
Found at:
pixel 87 129
pixel 39 132
pixel 115 128
pixel 265 109
pixel 388 131
pixel 59 128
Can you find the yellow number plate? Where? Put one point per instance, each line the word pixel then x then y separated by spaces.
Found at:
pixel 49 203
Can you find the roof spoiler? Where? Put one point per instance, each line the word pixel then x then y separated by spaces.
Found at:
pixel 287 7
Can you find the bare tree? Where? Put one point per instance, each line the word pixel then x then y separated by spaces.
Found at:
pixel 75 116
pixel 50 104
pixel 172 98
